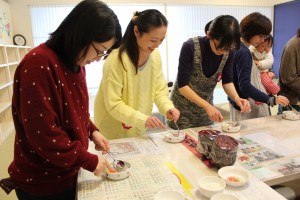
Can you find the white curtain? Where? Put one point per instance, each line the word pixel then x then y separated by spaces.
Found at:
pixel 185 21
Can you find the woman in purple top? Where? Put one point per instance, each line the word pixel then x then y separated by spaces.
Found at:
pixel 255 28
pixel 203 62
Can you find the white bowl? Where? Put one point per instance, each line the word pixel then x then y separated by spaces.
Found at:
pixel 231 127
pixel 211 185
pixel 119 175
pixel 172 138
pixel 168 195
pixel 223 196
pixel 290 115
pixel 234 175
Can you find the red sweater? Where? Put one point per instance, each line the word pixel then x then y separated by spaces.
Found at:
pixel 51 117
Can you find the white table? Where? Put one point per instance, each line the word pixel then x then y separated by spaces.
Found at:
pixel 154 155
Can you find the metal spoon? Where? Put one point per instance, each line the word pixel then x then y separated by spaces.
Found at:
pixel 178 131
pixel 293 109
pixel 117 164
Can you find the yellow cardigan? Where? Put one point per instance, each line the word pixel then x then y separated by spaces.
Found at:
pixel 126 97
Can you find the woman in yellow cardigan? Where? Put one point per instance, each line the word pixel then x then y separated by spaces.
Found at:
pixel 133 80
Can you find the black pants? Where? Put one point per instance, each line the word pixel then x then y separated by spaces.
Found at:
pixel 69 194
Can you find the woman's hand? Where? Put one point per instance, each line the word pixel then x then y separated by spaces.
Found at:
pixel 101 166
pixel 154 122
pixel 173 114
pixel 213 113
pixel 101 143
pixel 282 100
pixel 243 104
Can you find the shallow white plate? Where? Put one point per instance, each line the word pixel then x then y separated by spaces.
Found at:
pixel 119 175
pixel 172 138
pixel 168 195
pixel 290 115
pixel 234 175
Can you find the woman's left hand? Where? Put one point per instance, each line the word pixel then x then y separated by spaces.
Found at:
pixel 243 104
pixel 173 114
pixel 101 143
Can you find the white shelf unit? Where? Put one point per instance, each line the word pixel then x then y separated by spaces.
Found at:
pixel 10 57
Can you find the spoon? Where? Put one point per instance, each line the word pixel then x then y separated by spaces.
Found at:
pixel 293 109
pixel 178 131
pixel 117 164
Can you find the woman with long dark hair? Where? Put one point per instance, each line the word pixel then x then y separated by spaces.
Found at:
pixel 133 80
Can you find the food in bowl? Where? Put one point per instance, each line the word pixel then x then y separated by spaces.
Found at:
pixel 211 185
pixel 172 137
pixel 115 175
pixel 234 175
pixel 231 127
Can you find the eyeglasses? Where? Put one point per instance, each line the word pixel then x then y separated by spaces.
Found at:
pixel 100 54
pixel 223 48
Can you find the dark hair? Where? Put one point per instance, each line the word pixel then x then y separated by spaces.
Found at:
pixel 145 22
pixel 255 24
pixel 90 20
pixel 269 39
pixel 206 28
pixel 298 32
pixel 226 29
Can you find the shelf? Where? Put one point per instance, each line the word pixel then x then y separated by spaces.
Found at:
pixel 4 106
pixel 10 57
pixel 6 128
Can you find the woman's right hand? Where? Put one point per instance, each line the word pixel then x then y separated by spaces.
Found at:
pixel 282 100
pixel 214 114
pixel 102 166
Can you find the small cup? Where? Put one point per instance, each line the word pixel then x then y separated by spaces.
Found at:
pixel 211 185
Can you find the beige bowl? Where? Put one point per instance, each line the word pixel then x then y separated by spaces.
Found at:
pixel 234 175
pixel 172 138
pixel 211 185
pixel 119 175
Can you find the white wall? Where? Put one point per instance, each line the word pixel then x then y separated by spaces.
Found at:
pixel 21 15
pixel 6 24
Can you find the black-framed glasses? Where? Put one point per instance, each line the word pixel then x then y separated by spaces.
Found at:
pixel 223 48
pixel 100 54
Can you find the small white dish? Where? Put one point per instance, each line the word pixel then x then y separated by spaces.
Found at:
pixel 119 175
pixel 223 196
pixel 234 175
pixel 168 195
pixel 172 138
pixel 211 185
pixel 290 115
pixel 231 127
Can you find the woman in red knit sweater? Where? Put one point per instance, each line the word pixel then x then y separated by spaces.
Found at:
pixel 50 105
